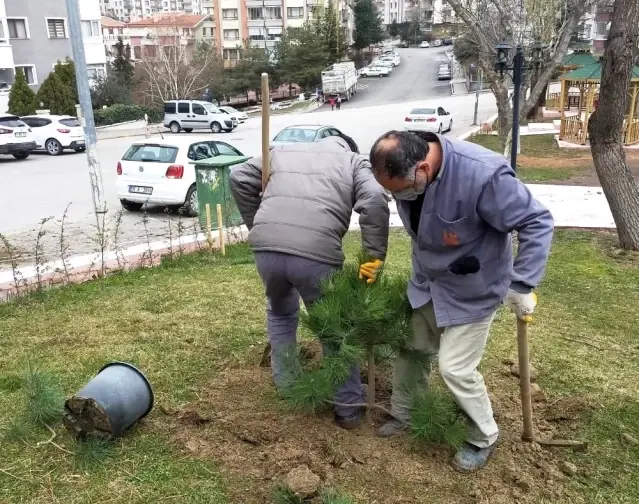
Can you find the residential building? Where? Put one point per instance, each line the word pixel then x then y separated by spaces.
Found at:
pixel 149 36
pixel 35 36
pixel 422 11
pixel 394 11
pixel 112 31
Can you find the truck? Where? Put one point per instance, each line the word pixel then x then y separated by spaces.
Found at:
pixel 340 79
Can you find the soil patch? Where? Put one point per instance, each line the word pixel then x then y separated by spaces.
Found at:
pixel 257 442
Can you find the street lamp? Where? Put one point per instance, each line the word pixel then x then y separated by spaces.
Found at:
pixel 518 67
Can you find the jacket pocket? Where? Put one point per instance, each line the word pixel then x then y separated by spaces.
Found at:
pixel 440 234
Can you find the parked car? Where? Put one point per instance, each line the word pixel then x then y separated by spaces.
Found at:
pixel 238 114
pixel 158 172
pixel 55 133
pixel 447 41
pixel 444 73
pixel 304 133
pixel 428 118
pixel 392 58
pixel 375 71
pixel 188 115
pixel 437 43
pixel 16 137
pixel 424 45
pixel 382 62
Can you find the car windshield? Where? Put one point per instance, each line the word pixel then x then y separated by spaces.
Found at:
pixel 296 135
pixel 422 111
pixel 11 122
pixel 213 109
pixel 151 153
pixel 71 123
pixel 230 110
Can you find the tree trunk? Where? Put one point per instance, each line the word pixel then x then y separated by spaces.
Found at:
pixel 606 124
pixel 504 112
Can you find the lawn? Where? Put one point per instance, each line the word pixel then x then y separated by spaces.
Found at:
pixel 542 161
pixel 219 434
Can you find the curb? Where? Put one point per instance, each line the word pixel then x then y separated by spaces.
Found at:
pixel 470 133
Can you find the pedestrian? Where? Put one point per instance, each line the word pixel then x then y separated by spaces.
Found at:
pixel 339 102
pixel 296 228
pixel 460 203
pixel 331 102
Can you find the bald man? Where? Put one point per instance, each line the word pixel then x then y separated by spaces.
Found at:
pixel 460 202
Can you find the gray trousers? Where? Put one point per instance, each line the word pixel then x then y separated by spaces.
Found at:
pixel 287 278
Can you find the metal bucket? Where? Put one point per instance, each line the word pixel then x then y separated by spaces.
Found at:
pixel 110 403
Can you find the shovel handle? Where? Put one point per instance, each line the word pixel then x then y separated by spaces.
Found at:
pixel 524 380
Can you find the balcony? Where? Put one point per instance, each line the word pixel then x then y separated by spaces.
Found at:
pixel 6 55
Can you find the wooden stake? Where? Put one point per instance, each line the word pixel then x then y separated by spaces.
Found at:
pixel 524 380
pixel 209 233
pixel 371 384
pixel 220 229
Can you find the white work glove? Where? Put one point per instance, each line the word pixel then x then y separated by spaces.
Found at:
pixel 522 305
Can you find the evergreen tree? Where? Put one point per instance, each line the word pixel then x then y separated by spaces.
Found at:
pixel 330 32
pixel 66 71
pixel 368 24
pixel 56 96
pixel 21 97
pixel 302 55
pixel 246 75
pixel 122 66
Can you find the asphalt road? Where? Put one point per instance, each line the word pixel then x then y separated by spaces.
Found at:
pixel 42 186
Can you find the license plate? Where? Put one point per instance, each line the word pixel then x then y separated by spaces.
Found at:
pixel 20 134
pixel 141 190
pixel 419 120
pixel 80 142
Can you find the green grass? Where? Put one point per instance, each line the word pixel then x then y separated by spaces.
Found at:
pixel 545 174
pixel 540 146
pixel 183 322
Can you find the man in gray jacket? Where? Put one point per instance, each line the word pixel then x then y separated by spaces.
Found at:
pixel 296 229
pixel 460 203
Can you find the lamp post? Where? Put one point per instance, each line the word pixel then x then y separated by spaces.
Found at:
pixel 518 66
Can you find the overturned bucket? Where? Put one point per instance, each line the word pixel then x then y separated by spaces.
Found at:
pixel 110 403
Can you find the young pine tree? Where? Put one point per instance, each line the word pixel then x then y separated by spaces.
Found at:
pixel 56 96
pixel 66 71
pixel 21 97
pixel 122 66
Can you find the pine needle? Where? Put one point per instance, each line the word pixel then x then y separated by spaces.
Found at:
pixel 45 399
pixel 435 419
pixel 283 495
pixel 332 496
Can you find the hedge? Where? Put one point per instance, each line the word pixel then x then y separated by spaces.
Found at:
pixel 123 113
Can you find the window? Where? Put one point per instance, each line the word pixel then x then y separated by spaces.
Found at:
pixel 184 108
pixel 273 13
pixel 137 52
pixel 57 28
pixel 229 14
pixel 255 13
pixel 224 149
pixel 18 28
pixel 274 33
pixel 256 34
pixel 151 153
pixel 198 109
pixel 92 29
pixel 295 12
pixel 36 122
pixel 199 151
pixel 29 73
pixel 96 71
pixel 169 108
pixel 231 34
pixel 70 123
pixel 11 122
pixel 231 54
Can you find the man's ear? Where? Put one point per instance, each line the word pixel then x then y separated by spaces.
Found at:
pixel 424 167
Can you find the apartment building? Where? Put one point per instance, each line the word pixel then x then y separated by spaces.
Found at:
pixel 34 35
pixel 112 31
pixel 133 10
pixel 393 11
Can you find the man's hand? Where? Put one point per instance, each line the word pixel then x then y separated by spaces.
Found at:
pixel 370 270
pixel 521 304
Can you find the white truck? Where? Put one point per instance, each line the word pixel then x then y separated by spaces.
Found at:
pixel 340 79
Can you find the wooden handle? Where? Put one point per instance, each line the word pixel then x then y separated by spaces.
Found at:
pixel 266 111
pixel 220 229
pixel 524 380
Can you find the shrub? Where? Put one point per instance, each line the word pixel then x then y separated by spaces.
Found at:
pixel 123 113
pixel 21 96
pixel 56 96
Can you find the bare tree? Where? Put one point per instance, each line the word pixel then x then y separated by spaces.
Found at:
pixel 489 22
pixel 606 125
pixel 174 67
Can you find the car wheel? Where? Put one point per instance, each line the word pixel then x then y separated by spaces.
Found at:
pixel 131 206
pixel 191 206
pixel 174 127
pixel 21 155
pixel 188 130
pixel 53 147
pixel 216 127
pixel 80 149
pixel 450 125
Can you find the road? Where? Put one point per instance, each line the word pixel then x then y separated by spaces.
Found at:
pixel 43 186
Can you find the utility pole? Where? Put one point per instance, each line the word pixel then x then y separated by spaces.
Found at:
pixel 84 92
pixel 518 70
pixel 477 88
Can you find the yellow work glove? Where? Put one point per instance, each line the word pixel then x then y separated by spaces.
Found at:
pixel 522 305
pixel 370 270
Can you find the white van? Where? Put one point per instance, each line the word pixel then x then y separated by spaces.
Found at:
pixel 188 115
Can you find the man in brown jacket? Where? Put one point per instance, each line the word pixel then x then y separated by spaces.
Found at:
pixel 296 229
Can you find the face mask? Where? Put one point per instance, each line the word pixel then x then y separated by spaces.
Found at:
pixel 411 193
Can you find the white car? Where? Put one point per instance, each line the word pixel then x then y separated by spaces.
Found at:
pixel 239 115
pixel 16 137
pixel 381 62
pixel 437 43
pixel 55 133
pixel 428 118
pixel 159 172
pixel 394 59
pixel 375 71
pixel 424 45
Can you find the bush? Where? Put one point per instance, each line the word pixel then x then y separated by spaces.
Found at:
pixel 123 113
pixel 21 96
pixel 56 96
